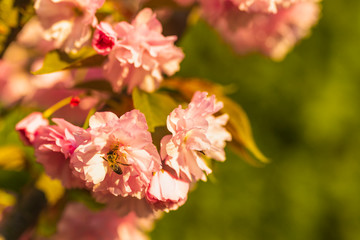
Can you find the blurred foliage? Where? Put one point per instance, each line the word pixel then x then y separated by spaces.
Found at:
pixel 52 188
pixel 6 200
pixel 13 180
pixel 11 157
pixel 305 117
pixel 8 19
pixel 13 16
pixel 14 155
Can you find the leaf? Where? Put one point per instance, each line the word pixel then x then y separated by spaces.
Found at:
pixel 155 106
pixel 239 126
pixel 57 60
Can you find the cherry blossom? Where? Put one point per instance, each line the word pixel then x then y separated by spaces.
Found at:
pixel 167 192
pixel 120 156
pixel 79 222
pixel 195 132
pixel 14 82
pixel 142 54
pixel 28 128
pixel 217 136
pixel 67 22
pixel 104 38
pixel 54 146
pixel 272 32
pixel 32 35
pixel 266 6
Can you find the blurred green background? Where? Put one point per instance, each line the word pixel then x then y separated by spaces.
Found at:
pixel 305 117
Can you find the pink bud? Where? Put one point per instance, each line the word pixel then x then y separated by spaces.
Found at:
pixel 104 38
pixel 74 101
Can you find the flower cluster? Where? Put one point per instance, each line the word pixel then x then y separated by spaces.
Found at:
pixel 134 154
pixel 271 27
pixel 116 158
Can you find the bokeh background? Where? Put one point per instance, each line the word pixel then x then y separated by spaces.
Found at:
pixel 305 117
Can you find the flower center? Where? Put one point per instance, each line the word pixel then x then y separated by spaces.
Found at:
pixel 113 157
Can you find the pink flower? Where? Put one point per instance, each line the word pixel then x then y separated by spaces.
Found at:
pixel 67 21
pixel 195 131
pixel 14 82
pixel 252 6
pixel 167 192
pixel 272 32
pixel 217 136
pixel 28 127
pixel 32 36
pixel 142 54
pixel 266 6
pixel 104 38
pixel 54 146
pixel 120 156
pixel 78 222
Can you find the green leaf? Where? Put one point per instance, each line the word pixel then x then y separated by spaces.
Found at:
pixel 155 106
pixel 57 60
pixel 239 126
